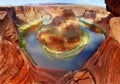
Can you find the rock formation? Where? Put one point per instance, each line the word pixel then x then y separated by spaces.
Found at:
pixel 10 11
pixel 89 14
pixel 63 33
pixel 104 23
pixel 103 67
pixel 113 6
pixel 27 14
pixel 15 65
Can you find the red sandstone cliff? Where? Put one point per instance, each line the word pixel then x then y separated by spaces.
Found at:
pixel 104 66
pixel 16 68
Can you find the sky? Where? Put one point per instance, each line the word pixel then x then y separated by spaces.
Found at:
pixel 21 2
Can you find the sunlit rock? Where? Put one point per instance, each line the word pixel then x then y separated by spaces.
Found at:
pixel 63 33
pixel 15 65
pixel 115 28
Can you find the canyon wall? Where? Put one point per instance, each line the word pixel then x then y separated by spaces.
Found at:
pixel 26 14
pixel 103 67
pixel 16 67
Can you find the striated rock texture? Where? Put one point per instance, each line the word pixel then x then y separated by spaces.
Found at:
pixel 26 14
pixel 15 65
pixel 104 66
pixel 113 6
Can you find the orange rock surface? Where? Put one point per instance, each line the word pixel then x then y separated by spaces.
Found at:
pixel 104 66
pixel 15 65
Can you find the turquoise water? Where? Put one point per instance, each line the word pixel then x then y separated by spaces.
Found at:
pixel 43 60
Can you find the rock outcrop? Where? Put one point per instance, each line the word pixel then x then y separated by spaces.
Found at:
pixel 89 14
pixel 104 23
pixel 10 11
pixel 2 15
pixel 115 28
pixel 63 33
pixel 113 6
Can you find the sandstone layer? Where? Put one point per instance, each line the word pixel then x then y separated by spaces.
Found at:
pixel 103 67
pixel 15 65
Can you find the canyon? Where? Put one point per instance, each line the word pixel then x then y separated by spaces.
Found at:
pixel 17 68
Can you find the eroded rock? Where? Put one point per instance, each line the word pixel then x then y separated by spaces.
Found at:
pixel 113 6
pixel 115 28
pixel 89 14
pixel 63 33
pixel 103 67
pixel 11 12
pixel 15 65
pixel 104 23
pixel 2 14
pixel 106 62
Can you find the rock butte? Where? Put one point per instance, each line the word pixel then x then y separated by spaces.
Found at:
pixel 102 68
pixel 63 33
